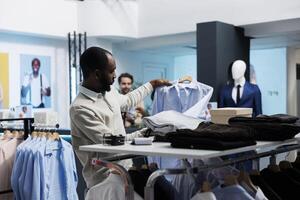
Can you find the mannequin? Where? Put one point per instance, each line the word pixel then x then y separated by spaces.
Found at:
pixel 241 93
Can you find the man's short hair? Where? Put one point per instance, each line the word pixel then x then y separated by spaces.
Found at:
pixel 35 60
pixel 125 75
pixel 93 58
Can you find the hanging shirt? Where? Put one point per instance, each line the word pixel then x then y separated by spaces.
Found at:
pixel 27 181
pixel 190 99
pixel 111 188
pixel 204 196
pixel 233 192
pixel 17 170
pixel 7 156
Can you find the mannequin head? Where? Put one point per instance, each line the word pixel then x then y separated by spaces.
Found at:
pixel 238 69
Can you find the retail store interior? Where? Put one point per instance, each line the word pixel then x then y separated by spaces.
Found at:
pixel 218 82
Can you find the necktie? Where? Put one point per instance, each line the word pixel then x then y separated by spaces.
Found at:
pixel 238 96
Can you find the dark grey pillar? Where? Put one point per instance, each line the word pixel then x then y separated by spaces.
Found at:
pixel 218 45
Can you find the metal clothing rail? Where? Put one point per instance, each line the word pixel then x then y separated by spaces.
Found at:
pixel 27 124
pixel 149 189
pixel 129 191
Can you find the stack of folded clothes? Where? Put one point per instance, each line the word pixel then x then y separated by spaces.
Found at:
pixel 213 136
pixel 270 128
pixel 169 121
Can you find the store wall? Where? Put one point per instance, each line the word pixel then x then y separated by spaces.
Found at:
pixel 270 67
pixel 48 17
pixel 57 49
pixel 185 65
pixel 177 16
pixel 293 57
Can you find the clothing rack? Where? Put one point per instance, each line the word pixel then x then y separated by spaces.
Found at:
pixel 129 191
pixel 149 189
pixel 27 124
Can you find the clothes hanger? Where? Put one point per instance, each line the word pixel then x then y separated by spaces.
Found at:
pixel 7 134
pixel 34 134
pixel 244 177
pixel 273 166
pixel 56 136
pixel 206 187
pixel 153 166
pixel 230 180
pixel 255 172
pixel 144 166
pixel 185 78
pixel 285 165
pixel 15 134
pixel 133 168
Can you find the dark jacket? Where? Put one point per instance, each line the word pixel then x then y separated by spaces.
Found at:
pixel 251 98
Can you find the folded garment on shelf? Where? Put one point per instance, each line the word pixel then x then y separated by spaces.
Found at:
pixel 270 128
pixel 194 142
pixel 170 121
pixel 213 136
pixel 278 118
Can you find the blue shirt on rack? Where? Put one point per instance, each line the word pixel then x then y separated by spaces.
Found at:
pixel 19 166
pixel 60 175
pixel 27 183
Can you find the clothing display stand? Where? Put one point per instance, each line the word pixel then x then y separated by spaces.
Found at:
pixel 163 149
pixel 28 126
pixel 149 189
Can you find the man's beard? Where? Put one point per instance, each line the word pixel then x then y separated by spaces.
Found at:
pixel 105 84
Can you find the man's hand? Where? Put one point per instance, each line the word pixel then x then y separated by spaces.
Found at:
pixel 159 82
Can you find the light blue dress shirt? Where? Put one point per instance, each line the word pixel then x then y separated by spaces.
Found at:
pixel 234 192
pixel 60 172
pixel 26 179
pixel 48 170
pixel 16 171
pixel 20 166
pixel 190 99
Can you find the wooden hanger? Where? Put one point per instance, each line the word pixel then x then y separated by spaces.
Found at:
pixel 185 78
pixel 230 180
pixel 15 134
pixel 56 136
pixel 7 134
pixel 34 134
pixel 285 165
pixel 255 172
pixel 153 166
pixel 274 168
pixel 144 166
pixel 244 177
pixel 206 187
pixel 48 135
pixel 133 168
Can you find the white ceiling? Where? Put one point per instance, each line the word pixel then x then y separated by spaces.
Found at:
pixel 277 34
